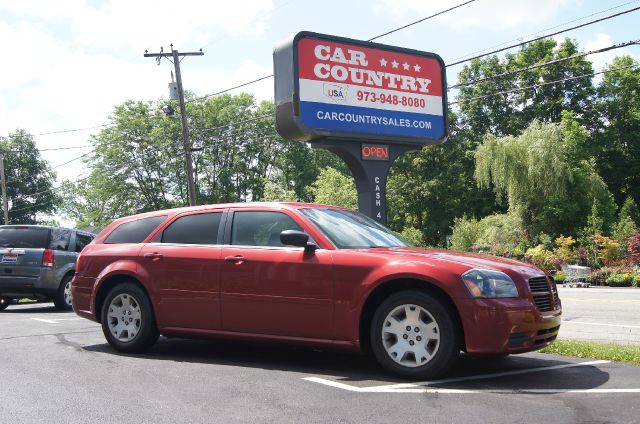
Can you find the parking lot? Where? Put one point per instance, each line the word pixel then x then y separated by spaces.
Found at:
pixel 57 367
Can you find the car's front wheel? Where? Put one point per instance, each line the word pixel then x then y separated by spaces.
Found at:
pixel 128 322
pixel 414 335
pixel 4 303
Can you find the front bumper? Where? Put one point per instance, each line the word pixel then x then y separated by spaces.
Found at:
pixel 499 326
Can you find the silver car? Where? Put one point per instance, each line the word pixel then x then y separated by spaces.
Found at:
pixel 38 262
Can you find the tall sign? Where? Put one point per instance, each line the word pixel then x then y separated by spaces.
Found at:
pixel 366 102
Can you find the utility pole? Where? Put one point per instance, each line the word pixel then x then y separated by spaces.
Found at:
pixel 5 202
pixel 175 55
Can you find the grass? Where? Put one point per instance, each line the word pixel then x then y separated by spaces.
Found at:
pixel 580 349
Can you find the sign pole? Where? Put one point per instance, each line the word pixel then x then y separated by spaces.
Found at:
pixel 370 174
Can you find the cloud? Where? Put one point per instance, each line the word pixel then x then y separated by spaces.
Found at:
pixel 601 60
pixel 147 23
pixel 490 15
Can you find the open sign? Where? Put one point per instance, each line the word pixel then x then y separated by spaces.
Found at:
pixel 375 152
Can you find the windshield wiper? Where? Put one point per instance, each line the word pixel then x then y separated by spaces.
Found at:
pixel 8 245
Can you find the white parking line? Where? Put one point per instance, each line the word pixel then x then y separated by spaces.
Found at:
pixel 383 389
pixel 419 387
pixel 601 324
pixel 57 320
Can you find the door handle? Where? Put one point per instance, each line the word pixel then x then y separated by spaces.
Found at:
pixel 154 255
pixel 237 259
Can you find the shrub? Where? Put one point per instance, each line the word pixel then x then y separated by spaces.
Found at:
pixel 413 236
pixel 465 233
pixel 540 256
pixel 633 247
pixel 498 234
pixel 564 248
pixel 620 279
pixel 559 277
pixel 636 281
pixel 608 249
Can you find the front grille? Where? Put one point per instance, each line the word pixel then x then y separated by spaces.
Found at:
pixel 539 284
pixel 542 291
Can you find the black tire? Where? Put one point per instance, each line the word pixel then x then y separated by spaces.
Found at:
pixel 444 352
pixel 4 303
pixel 144 325
pixel 62 299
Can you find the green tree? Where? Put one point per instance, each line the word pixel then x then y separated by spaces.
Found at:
pixel 630 210
pixel 617 134
pixel 335 188
pixel 29 178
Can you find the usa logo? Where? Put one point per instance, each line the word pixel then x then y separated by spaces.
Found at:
pixel 335 92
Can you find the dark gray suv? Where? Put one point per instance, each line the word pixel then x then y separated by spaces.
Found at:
pixel 38 262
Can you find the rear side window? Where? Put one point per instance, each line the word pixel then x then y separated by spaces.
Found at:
pixel 260 228
pixel 81 241
pixel 24 237
pixel 194 229
pixel 60 238
pixel 134 231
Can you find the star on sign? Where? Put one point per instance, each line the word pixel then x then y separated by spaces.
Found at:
pixel 405 65
pixel 417 68
pixel 383 62
pixel 394 64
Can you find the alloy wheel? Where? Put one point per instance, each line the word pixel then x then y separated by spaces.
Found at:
pixel 410 335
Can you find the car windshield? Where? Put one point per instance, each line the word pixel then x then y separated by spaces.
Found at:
pixel 352 230
pixel 24 237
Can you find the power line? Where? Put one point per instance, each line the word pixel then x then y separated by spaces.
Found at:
pixel 52 149
pixel 542 84
pixel 73 160
pixel 68 131
pixel 370 39
pixel 543 64
pixel 615 15
pixel 545 29
pixel 421 20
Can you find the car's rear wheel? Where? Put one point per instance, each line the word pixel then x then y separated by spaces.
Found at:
pixel 62 299
pixel 4 303
pixel 414 335
pixel 128 322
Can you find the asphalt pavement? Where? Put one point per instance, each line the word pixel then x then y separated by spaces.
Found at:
pixel 57 368
pixel 601 314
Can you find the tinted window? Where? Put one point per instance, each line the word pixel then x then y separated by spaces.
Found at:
pixel 24 237
pixel 134 231
pixel 352 230
pixel 81 241
pixel 60 238
pixel 194 229
pixel 260 228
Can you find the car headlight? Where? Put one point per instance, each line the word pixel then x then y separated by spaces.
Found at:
pixel 488 283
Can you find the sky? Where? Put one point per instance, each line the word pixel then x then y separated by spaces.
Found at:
pixel 68 63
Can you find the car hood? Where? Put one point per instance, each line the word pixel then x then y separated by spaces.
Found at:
pixel 462 261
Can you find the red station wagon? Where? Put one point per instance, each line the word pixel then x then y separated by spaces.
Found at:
pixel 309 274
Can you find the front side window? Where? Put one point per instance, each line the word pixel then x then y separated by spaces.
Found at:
pixel 352 230
pixel 260 228
pixel 193 229
pixel 134 231
pixel 81 241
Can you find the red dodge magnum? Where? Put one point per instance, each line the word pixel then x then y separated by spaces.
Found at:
pixel 310 274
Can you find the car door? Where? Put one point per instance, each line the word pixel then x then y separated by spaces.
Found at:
pixel 184 265
pixel 269 288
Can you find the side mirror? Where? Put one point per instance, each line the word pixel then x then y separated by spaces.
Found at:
pixel 297 238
